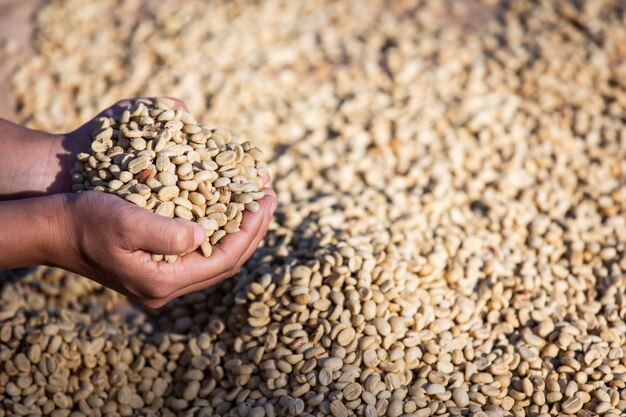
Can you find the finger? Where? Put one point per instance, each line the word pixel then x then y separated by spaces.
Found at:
pixel 200 285
pixel 194 268
pixel 210 272
pixel 122 105
pixel 197 286
pixel 252 246
pixel 117 108
pixel 179 103
pixel 157 234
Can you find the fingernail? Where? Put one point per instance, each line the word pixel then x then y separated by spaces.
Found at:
pixel 199 235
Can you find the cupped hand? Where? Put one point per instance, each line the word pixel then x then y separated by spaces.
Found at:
pixel 111 240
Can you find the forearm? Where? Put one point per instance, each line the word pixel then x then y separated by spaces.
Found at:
pixel 32 163
pixel 32 231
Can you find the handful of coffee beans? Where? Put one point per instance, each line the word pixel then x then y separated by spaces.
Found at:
pixel 157 156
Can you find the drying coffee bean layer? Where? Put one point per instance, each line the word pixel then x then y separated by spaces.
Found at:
pixel 451 225
pixel 156 155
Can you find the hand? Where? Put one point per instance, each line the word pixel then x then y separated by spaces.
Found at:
pixel 101 236
pixel 111 240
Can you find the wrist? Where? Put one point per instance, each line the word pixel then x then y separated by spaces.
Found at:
pixel 33 163
pixel 34 232
pixel 56 155
pixel 58 237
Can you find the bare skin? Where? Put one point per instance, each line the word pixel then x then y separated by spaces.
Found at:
pixel 99 235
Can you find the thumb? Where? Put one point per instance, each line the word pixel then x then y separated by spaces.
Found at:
pixel 158 234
